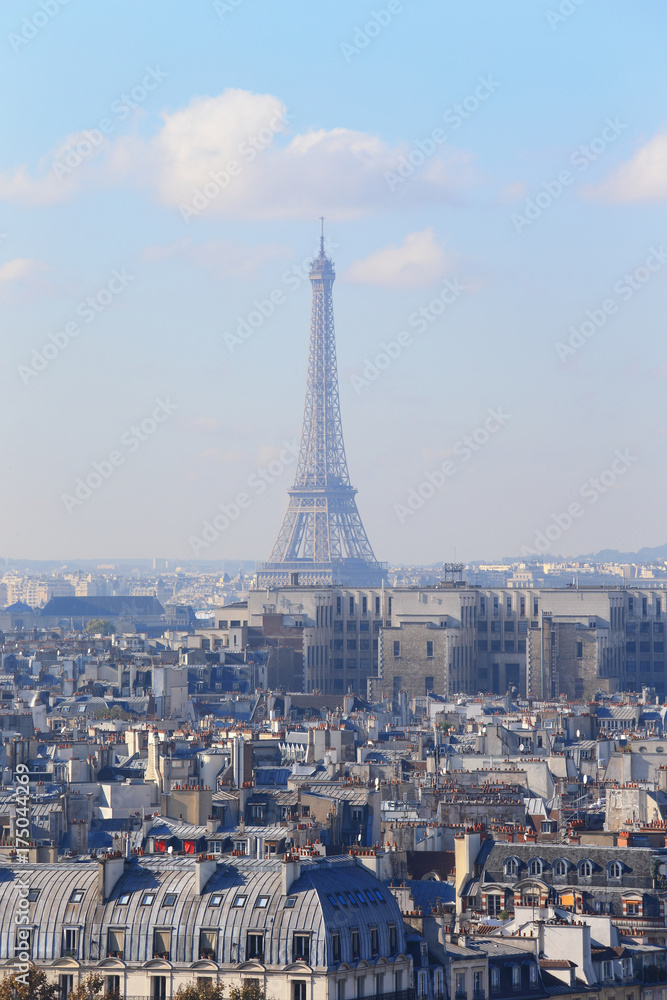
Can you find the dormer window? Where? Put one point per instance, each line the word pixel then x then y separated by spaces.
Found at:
pixel 560 868
pixel 511 867
pixel 615 869
pixel 536 866
pixel 585 869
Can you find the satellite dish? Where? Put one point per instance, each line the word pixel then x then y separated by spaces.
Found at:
pixel 170 849
pixel 521 747
pixel 578 733
pixel 585 779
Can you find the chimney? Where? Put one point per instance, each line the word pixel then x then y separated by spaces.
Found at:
pixel 290 871
pixel 109 871
pixel 204 869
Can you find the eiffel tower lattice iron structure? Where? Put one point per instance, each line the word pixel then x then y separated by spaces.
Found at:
pixel 322 537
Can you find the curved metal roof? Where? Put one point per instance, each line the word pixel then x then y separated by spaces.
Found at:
pixel 137 904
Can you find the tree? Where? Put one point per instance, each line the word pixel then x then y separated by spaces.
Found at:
pixel 91 988
pixel 102 625
pixel 201 990
pixel 31 985
pixel 250 989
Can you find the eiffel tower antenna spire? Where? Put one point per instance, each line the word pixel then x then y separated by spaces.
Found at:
pixel 322 537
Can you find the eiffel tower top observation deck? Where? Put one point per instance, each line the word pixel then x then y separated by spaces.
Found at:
pixel 322 537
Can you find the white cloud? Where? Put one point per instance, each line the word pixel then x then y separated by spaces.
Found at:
pixel 59 173
pixel 337 172
pixel 20 268
pixel 642 178
pixel 21 276
pixel 418 262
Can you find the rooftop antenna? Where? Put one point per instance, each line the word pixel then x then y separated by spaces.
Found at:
pixel 322 235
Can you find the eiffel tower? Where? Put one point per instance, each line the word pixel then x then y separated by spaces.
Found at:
pixel 322 537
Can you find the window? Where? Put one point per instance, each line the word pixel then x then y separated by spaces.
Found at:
pixel 397 648
pixel 626 967
pixel 301 947
pixel 478 984
pixel 615 869
pixel 77 896
pixel 580 649
pixel 23 941
pixel 421 984
pixel 239 901
pixel 332 900
pixel 493 905
pixel 510 866
pixel 255 946
pixel 298 989
pixel 66 984
pixel 533 975
pixel 148 899
pixel 516 977
pixel 607 970
pixel 380 897
pixel 536 866
pixel 374 942
pixel 351 898
pixel 115 942
pixel 112 985
pixel 429 648
pixel 364 605
pixel 370 895
pixel 342 900
pixel 379 984
pixel 262 902
pixel 398 981
pixel 208 943
pixel 361 986
pixel 585 869
pixel 361 898
pixel 335 946
pixel 354 942
pixel 633 908
pixel 162 943
pixel 289 902
pixel 158 987
pixel 123 900
pixel 392 939
pixel 460 985
pixel 495 979
pixel 215 900
pixel 170 899
pixel 70 942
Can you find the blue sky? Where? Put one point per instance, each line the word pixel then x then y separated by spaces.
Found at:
pixel 531 139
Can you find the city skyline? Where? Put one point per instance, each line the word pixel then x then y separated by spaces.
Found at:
pixel 495 212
